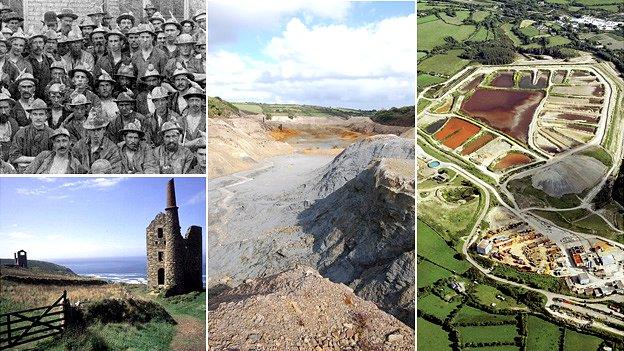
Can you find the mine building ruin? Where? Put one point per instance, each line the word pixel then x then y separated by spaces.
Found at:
pixel 20 259
pixel 174 263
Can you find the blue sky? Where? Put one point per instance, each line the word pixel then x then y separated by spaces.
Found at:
pixel 338 53
pixel 89 217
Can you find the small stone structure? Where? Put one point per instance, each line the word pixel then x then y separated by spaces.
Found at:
pixel 20 259
pixel 174 263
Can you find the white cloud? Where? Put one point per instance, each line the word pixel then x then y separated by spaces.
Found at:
pixel 199 197
pixel 227 18
pixel 371 66
pixel 93 183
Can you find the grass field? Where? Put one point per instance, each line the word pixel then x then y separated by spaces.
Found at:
pixel 253 108
pixel 504 333
pixel 492 348
pixel 542 335
pixel 469 315
pixel 530 31
pixel 524 191
pixel 480 35
pixel 487 295
pixel 431 246
pixel 598 2
pixel 422 104
pixel 425 80
pixel 581 221
pixel 479 16
pixel 558 40
pixel 429 273
pixel 458 19
pixel 541 281
pixel 432 33
pixel 431 337
pixel 435 306
pixel 447 64
pixel 507 28
pixel 575 341
pixel 599 154
pixel 420 55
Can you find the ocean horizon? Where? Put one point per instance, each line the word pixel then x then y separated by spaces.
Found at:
pixel 130 270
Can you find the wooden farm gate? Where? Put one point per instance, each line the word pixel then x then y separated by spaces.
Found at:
pixel 22 327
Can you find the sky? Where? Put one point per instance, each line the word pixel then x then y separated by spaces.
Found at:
pixel 328 53
pixel 55 218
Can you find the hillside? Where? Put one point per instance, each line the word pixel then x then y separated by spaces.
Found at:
pixel 401 116
pixel 219 108
pixel 270 110
pixel 41 266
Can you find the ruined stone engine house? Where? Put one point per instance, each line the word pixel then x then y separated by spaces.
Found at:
pixel 174 263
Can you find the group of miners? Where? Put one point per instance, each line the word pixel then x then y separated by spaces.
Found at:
pixel 96 96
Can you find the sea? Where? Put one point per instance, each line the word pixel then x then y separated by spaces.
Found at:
pixel 131 270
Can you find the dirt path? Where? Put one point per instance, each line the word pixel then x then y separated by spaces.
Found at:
pixel 190 334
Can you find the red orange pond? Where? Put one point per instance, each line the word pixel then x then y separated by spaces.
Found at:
pixel 512 159
pixel 455 132
pixel 507 110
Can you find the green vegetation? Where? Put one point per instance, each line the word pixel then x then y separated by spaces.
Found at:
pixel 40 266
pixel 396 116
pixel 526 195
pixel 447 64
pixel 218 107
pixel 428 273
pixel 425 80
pixel 432 33
pixel 431 336
pixel 458 19
pixel 422 104
pixel 575 341
pixel 486 334
pixel 599 154
pixel 487 295
pixel 479 15
pixel 514 38
pixel 154 336
pixel 470 315
pixel 248 107
pixel 435 306
pixel 434 248
pixel 492 348
pixel 311 111
pixel 540 281
pixel 580 220
pixel 542 335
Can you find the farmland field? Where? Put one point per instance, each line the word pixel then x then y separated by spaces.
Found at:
pixel 446 64
pixel 580 342
pixel 429 273
pixel 424 80
pixel 431 337
pixel 248 107
pixel 542 335
pixel 486 295
pixel 493 348
pixel 436 250
pixel 470 315
pixel 458 19
pixel 431 34
pixel 505 333
pixel 433 305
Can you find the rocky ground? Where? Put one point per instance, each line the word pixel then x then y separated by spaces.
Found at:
pixel 300 310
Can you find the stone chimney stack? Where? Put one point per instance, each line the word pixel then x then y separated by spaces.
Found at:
pixel 172 207
pixel 171 199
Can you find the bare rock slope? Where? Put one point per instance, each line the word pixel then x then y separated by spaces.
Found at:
pixel 300 310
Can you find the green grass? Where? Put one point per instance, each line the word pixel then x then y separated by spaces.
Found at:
pixel 458 19
pixel 253 108
pixel 507 28
pixel 435 306
pixel 581 221
pixel 608 8
pixel 479 16
pixel 480 35
pixel 429 273
pixel 597 2
pixel 422 104
pixel 470 315
pixel 432 34
pixel 431 337
pixel 542 335
pixel 575 341
pixel 426 19
pixel 425 80
pixel 492 348
pixel 154 336
pixel 557 40
pixel 503 333
pixel 191 304
pixel 541 281
pixel 523 189
pixel 447 64
pixel 530 31
pixel 558 1
pixel 599 154
pixel 486 295
pixel 420 55
pixel 434 248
